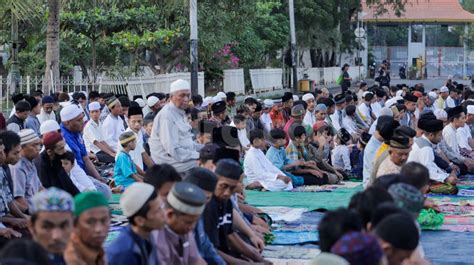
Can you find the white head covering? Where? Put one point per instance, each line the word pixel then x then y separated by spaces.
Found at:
pixel 432 95
pixel 140 102
pixel 94 106
pixel 49 126
pixel 70 112
pixel 179 85
pixel 470 109
pixel 308 96
pixel 296 98
pixel 444 89
pixel 134 197
pixel 440 114
pixel 151 101
pixel 268 103
pixel 27 136
pixel 221 95
pixel 207 100
pixel 399 93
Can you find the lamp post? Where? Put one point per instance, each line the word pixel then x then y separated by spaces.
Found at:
pixel 293 45
pixel 193 46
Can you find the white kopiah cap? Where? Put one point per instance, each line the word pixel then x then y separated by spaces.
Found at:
pixel 444 89
pixel 140 102
pixel 308 96
pixel 151 101
pixel 94 106
pixel 134 197
pixel 70 112
pixel 179 85
pixel 49 126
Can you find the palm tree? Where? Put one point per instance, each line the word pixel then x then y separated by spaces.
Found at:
pixel 51 74
pixel 18 10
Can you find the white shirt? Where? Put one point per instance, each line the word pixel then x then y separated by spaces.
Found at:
pixel 309 118
pixel 425 156
pixel 79 178
pixel 450 102
pixel 111 130
pixel 349 124
pixel 266 121
pixel 340 157
pixel 242 135
pixel 463 136
pixel 376 108
pixel 450 136
pixel 137 153
pixel 258 168
pixel 365 111
pixel 43 116
pixel 336 123
pixel 92 132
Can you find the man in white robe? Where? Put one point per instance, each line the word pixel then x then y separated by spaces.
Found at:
pixel 309 117
pixel 113 125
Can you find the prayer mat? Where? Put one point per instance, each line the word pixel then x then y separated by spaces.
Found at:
pixel 285 214
pixel 295 238
pixel 458 228
pixel 456 209
pixel 289 261
pixel 436 246
pixel 468 192
pixel 306 252
pixel 308 200
pixel 313 188
pixel 458 220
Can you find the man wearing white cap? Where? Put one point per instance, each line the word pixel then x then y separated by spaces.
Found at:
pixel 154 104
pixel 71 128
pixel 93 137
pixel 309 117
pixel 26 182
pixel 135 245
pixel 171 139
pixel 113 125
pixel 184 206
pixel 429 101
pixel 443 95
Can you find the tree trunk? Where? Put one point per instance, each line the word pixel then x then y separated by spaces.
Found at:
pixel 51 75
pixel 94 59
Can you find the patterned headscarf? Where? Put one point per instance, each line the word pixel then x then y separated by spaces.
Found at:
pixel 53 200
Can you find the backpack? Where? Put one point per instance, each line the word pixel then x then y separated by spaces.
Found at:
pixel 340 79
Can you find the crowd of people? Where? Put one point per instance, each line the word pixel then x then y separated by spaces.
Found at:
pixel 182 164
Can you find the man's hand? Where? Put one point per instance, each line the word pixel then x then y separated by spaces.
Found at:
pixel 452 179
pixel 317 173
pixel 9 233
pixel 258 243
pixel 311 164
pixel 285 179
pixel 19 223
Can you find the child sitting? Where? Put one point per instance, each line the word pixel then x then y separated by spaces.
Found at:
pixel 277 155
pixel 363 140
pixel 125 172
pixel 240 122
pixel 204 135
pixel 260 172
pixel 83 183
pixel 296 150
pixel 341 155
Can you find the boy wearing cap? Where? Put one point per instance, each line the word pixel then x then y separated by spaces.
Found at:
pixel 265 118
pixel 135 123
pixel 51 222
pixel 17 122
pixel 125 171
pixel 93 137
pixel 26 182
pixel 339 114
pixel 184 206
pixel 135 244
pixel 47 112
pixel 219 213
pixel 32 121
pixel 91 226
pixel 113 125
pixel 219 113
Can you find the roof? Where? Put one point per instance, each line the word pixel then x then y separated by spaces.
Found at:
pixel 421 11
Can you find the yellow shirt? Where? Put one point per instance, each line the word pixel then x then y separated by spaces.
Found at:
pixel 381 149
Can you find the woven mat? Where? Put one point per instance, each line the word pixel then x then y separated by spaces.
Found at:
pixel 307 252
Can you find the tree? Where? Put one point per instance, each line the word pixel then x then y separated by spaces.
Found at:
pixel 51 75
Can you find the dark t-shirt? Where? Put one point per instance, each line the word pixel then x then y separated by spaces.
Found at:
pixel 218 223
pixel 345 82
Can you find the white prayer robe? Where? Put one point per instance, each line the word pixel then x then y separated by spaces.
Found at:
pixel 349 124
pixel 463 136
pixel 425 156
pixel 92 132
pixel 258 168
pixel 336 123
pixel 364 110
pixel 376 108
pixel 112 128
pixel 309 118
pixel 171 139
pixel 450 136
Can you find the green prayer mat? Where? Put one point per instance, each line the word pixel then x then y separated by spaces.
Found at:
pixel 308 200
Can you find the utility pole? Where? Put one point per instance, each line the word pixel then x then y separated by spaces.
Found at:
pixel 194 46
pixel 293 45
pixel 15 68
